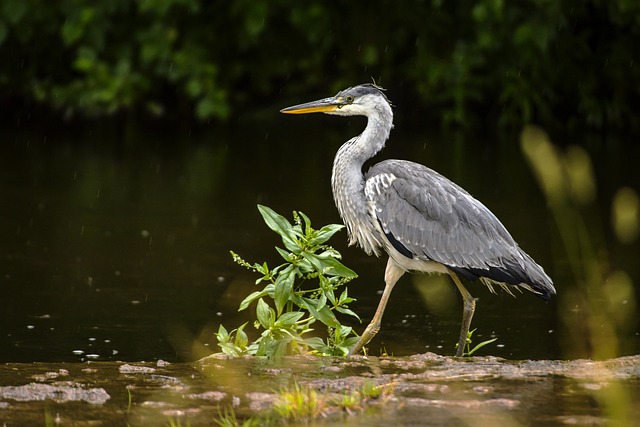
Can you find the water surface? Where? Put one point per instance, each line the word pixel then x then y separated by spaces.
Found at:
pixel 115 243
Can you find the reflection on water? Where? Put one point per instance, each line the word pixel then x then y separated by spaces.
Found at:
pixel 117 247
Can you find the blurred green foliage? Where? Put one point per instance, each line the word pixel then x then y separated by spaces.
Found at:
pixel 553 62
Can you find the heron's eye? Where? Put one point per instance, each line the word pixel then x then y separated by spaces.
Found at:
pixel 349 99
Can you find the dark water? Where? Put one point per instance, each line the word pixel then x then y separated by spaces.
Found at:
pixel 115 244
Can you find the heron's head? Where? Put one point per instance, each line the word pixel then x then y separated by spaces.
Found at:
pixel 362 100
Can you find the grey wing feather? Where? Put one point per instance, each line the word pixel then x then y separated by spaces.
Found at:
pixel 435 219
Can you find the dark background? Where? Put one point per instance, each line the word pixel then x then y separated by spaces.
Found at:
pixel 569 64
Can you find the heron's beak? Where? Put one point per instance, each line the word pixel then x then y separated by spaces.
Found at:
pixel 325 105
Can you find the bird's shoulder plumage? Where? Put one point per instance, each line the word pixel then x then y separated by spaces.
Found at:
pixel 426 216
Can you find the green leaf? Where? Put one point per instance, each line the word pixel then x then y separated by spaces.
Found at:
pixel 222 335
pixel 284 287
pixel 280 225
pixel 265 314
pixel 253 296
pixel 307 230
pixel 328 293
pixel 304 266
pixel 322 302
pixel 329 265
pixel 480 345
pixel 281 348
pixel 345 298
pixel 348 312
pixel 289 318
pixel 318 345
pixel 284 254
pixel 325 233
pixel 230 349
pixel 298 300
pixel 266 342
pixel 262 268
pixel 241 337
pixel 324 315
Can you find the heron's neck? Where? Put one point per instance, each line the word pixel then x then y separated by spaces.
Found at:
pixel 353 153
pixel 347 179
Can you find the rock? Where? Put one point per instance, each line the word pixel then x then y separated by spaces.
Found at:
pixel 60 393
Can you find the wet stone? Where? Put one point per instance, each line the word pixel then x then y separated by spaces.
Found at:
pixel 50 375
pixel 212 396
pixel 60 393
pixel 260 401
pixel 134 369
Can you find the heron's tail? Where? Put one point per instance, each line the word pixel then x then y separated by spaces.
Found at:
pixel 532 277
pixel 522 272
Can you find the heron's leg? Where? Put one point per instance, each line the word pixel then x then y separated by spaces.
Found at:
pixel 467 313
pixel 391 276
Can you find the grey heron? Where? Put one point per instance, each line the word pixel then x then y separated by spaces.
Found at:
pixel 422 220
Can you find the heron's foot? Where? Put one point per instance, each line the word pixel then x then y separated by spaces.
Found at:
pixel 364 339
pixel 467 315
pixel 462 343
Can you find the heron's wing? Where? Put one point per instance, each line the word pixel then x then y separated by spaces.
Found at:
pixel 426 216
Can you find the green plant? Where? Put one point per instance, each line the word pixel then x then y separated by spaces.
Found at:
pixel 306 288
pixel 356 400
pixel 228 418
pixel 175 422
pixel 470 351
pixel 129 399
pixel 299 403
pixel 350 402
pixel 370 390
pixel 601 307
